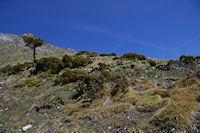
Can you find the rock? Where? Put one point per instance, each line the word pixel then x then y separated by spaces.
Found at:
pixel 45 106
pixel 0 88
pixel 2 84
pixel 107 102
pixel 27 127
pixel 109 127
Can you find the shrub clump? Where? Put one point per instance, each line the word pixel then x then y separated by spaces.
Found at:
pixel 68 61
pixel 152 62
pixel 81 62
pixel 84 52
pixel 187 59
pixel 133 56
pixel 9 70
pixel 70 76
pixel 76 62
pixel 91 87
pixel 51 64
pixel 112 54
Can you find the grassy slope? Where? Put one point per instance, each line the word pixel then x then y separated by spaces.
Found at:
pixel 152 103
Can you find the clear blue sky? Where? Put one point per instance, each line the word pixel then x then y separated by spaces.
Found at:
pixel 155 28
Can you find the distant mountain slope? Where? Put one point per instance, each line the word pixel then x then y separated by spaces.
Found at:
pixel 13 49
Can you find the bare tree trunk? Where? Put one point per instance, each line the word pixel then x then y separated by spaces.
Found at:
pixel 34 59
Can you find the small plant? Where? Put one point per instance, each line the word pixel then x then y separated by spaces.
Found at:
pixel 29 82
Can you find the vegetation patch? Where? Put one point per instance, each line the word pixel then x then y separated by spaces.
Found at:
pixel 179 112
pixel 70 76
pixel 50 64
pixel 148 103
pixel 9 70
pixel 29 82
pixel 133 56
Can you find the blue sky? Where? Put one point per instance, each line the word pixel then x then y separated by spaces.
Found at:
pixel 155 28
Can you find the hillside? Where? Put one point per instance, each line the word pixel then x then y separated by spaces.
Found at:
pixel 13 49
pixel 91 92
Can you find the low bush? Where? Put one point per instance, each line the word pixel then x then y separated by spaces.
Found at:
pixel 112 54
pixel 91 87
pixel 68 61
pixel 187 59
pixel 51 64
pixel 152 62
pixel 92 54
pixel 83 52
pixel 121 84
pixel 133 56
pixel 70 76
pixel 80 62
pixel 9 70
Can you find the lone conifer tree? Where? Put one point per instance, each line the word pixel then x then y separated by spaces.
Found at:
pixel 33 43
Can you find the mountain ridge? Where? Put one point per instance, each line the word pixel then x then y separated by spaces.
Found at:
pixel 13 47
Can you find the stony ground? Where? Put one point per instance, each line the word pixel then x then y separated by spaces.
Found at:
pixel 152 100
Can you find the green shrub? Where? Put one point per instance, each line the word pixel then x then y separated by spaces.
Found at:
pixel 9 70
pixel 187 59
pixel 93 54
pixel 91 87
pixel 121 84
pixel 80 62
pixel 152 62
pixel 68 61
pixel 112 54
pixel 70 76
pixel 116 58
pixel 133 56
pixel 83 52
pixel 51 64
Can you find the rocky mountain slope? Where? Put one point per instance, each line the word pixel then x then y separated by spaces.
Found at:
pixel 13 49
pixel 94 93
